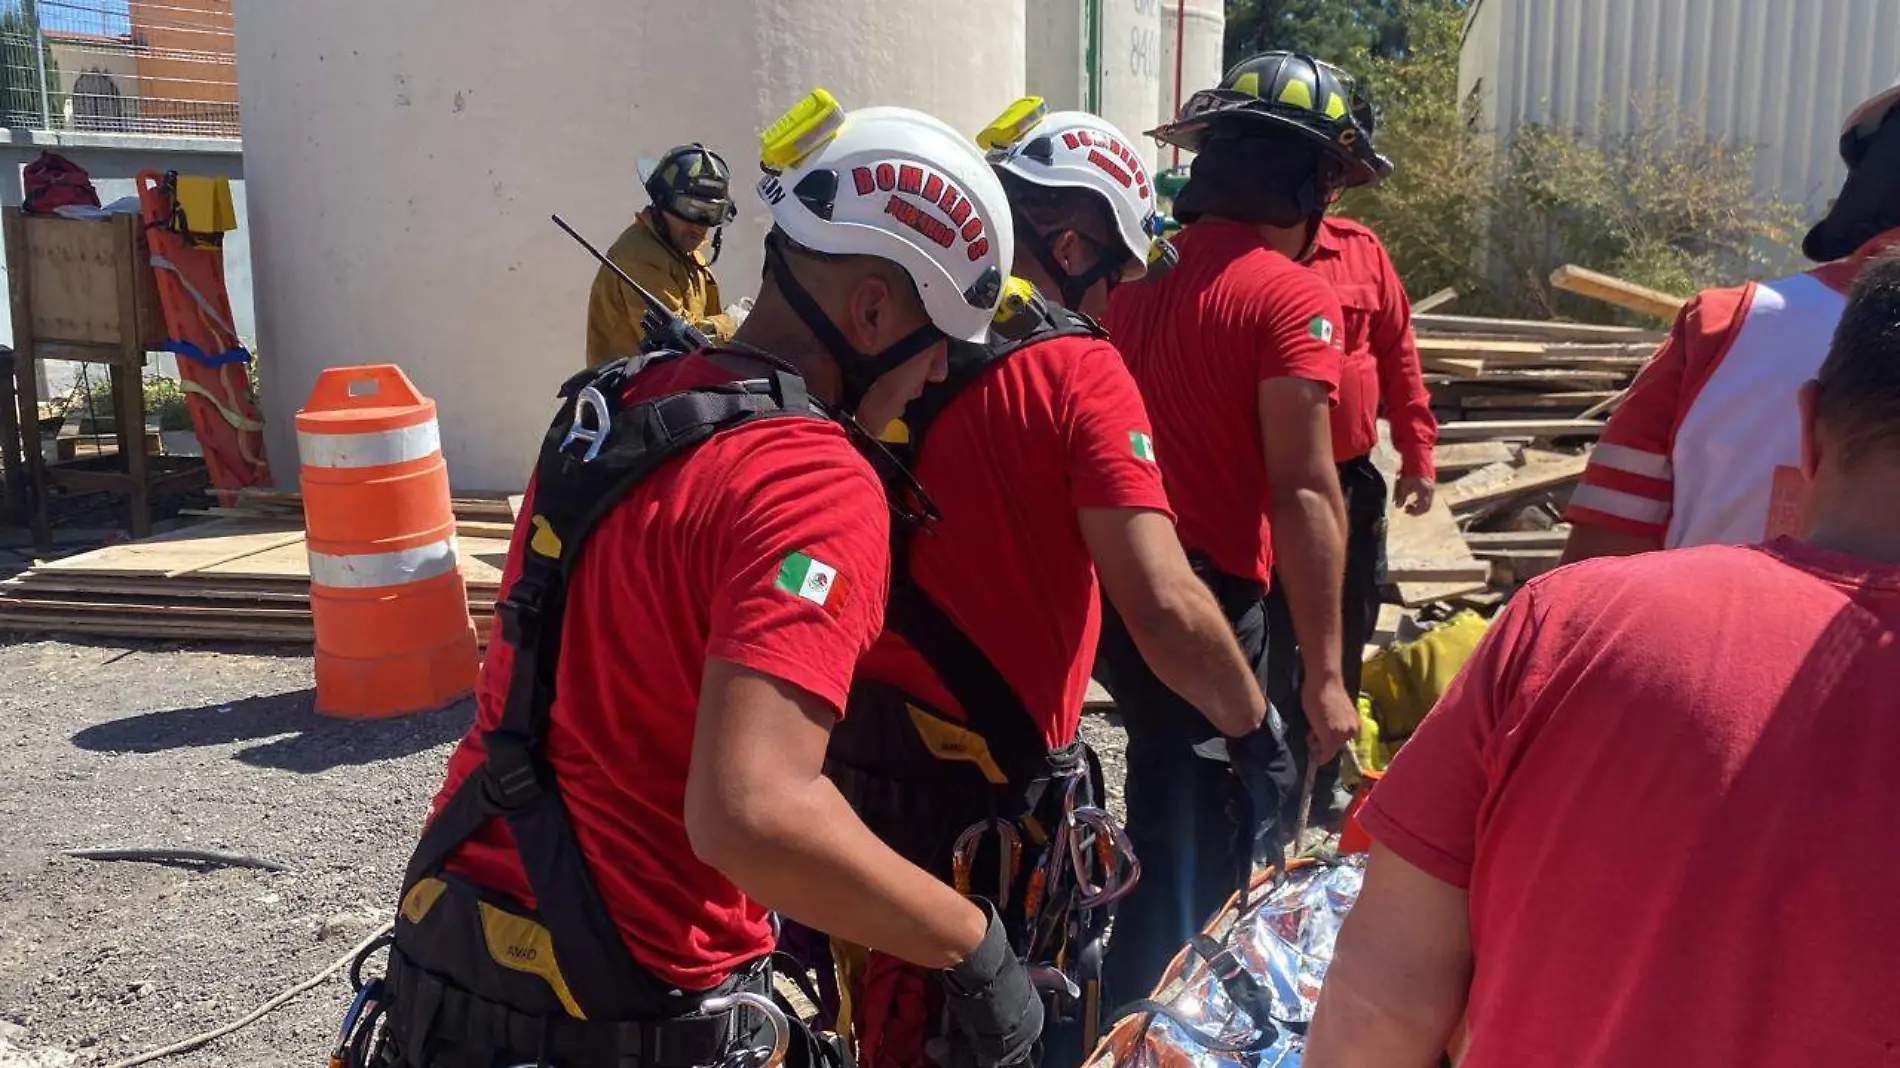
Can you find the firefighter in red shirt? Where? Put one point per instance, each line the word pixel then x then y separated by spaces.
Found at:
pixel 1237 353
pixel 1651 821
pixel 1380 366
pixel 676 637
pixel 1705 448
pixel 960 745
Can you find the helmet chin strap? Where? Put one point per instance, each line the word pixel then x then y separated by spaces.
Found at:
pixel 856 370
pixel 1073 287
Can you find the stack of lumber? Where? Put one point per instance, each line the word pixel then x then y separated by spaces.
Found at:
pixel 1496 378
pixel 242 576
pixel 1520 404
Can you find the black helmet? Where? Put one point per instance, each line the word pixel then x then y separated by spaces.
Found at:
pixel 1286 92
pixel 692 182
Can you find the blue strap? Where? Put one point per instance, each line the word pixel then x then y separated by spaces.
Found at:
pixel 187 349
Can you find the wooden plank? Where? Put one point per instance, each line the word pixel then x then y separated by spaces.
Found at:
pixel 1401 571
pixel 1480 541
pixel 1530 329
pixel 1432 536
pixel 204 543
pixel 1495 429
pixel 1611 290
pixel 1540 472
pixel 1517 400
pixel 238 554
pixel 1477 347
pixel 1435 301
pixel 1460 368
pixel 1556 377
pixel 1469 455
pixel 1628 363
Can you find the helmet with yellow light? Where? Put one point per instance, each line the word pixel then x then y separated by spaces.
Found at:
pixel 1074 150
pixel 1286 93
pixel 899 185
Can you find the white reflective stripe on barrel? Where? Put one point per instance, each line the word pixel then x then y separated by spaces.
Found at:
pixel 372 570
pixel 372 449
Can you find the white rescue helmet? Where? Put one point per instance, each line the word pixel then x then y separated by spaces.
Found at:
pixel 1078 150
pixel 901 186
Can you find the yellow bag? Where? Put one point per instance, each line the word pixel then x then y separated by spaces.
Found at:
pixel 206 203
pixel 1402 682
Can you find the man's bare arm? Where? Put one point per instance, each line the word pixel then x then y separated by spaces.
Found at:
pixel 1172 616
pixel 1400 973
pixel 759 809
pixel 1308 517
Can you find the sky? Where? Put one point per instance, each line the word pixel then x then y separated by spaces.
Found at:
pixel 107 17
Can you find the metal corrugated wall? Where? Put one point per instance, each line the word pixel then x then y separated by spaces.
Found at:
pixel 1781 74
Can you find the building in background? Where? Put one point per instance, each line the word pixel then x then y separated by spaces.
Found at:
pixel 1130 61
pixel 1780 75
pixel 187 66
pixel 97 80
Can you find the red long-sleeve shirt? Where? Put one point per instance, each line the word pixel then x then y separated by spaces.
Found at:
pixel 1381 359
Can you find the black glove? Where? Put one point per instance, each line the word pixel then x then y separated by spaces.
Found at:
pixel 995 1013
pixel 1263 767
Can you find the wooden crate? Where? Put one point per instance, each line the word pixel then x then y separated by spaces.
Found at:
pixel 79 270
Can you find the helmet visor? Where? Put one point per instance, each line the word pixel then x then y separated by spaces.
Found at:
pixel 700 210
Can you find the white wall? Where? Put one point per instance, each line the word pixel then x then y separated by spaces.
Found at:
pixel 1197 36
pixel 1056 68
pixel 1780 74
pixel 403 158
pixel 1129 54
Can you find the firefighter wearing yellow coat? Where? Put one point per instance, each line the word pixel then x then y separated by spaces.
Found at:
pixel 661 251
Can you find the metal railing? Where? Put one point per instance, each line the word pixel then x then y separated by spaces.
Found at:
pixel 119 66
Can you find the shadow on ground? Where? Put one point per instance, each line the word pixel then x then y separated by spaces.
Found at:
pixel 299 739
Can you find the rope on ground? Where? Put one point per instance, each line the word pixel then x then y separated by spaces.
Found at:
pixel 179 856
pixel 207 1037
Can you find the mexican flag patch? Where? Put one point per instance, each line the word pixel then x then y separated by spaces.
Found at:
pixel 1321 328
pixel 815 581
pixel 1143 444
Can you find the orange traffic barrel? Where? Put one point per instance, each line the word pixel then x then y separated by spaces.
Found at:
pixel 390 608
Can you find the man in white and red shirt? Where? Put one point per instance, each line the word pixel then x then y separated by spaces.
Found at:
pixel 1523 882
pixel 1705 449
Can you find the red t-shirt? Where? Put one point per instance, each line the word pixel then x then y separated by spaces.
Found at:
pixel 1666 781
pixel 1233 314
pixel 1381 358
pixel 1054 427
pixel 694 563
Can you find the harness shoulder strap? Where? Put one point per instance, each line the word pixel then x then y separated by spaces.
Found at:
pixel 994 709
pixel 596 451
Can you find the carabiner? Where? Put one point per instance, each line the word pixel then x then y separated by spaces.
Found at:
pixel 1009 856
pixel 781 1027
pixel 1109 842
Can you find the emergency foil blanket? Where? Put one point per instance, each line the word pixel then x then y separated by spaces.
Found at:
pixel 1284 938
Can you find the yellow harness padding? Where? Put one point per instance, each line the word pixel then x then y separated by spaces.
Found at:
pixel 1402 682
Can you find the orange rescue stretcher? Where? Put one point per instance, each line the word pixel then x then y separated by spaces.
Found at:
pixel 213 365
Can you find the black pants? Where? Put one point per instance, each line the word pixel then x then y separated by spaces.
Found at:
pixel 1183 809
pixel 1365 491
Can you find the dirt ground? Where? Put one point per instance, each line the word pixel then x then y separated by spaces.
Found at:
pixel 105 745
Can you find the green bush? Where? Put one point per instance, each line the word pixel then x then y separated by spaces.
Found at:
pixel 165 400
pixel 1668 205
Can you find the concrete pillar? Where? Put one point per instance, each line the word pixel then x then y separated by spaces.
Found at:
pixel 402 160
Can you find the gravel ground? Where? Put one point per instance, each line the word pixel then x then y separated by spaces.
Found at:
pixel 206 748
pixel 110 745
